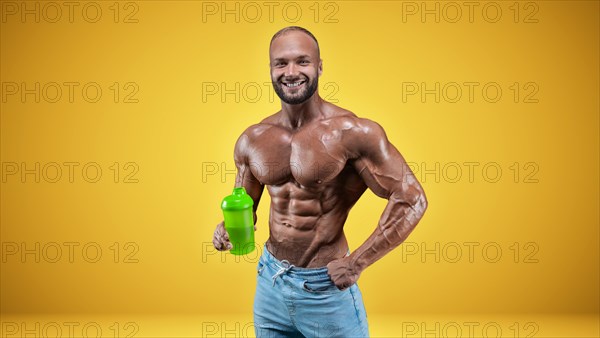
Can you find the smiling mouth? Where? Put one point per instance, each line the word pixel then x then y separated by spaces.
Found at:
pixel 294 84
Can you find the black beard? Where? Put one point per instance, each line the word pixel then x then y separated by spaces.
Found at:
pixel 308 92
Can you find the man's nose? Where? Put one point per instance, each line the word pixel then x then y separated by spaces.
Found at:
pixel 291 70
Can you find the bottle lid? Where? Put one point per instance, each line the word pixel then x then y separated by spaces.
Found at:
pixel 238 200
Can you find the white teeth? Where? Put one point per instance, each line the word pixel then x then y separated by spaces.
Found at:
pixel 295 84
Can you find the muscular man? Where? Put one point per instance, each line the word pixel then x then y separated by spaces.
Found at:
pixel 316 160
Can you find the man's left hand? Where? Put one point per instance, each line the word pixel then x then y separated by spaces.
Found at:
pixel 343 273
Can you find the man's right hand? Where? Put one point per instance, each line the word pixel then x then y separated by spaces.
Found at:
pixel 221 238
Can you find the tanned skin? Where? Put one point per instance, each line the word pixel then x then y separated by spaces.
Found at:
pixel 316 160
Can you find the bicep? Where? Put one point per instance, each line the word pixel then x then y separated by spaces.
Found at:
pixel 383 168
pixel 244 177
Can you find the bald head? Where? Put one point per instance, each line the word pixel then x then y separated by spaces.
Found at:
pixel 286 30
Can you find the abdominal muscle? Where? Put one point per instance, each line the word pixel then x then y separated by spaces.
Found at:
pixel 306 225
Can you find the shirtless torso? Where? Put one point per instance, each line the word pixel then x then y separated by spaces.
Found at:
pixel 312 177
pixel 316 160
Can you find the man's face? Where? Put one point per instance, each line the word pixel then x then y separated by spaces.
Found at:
pixel 295 67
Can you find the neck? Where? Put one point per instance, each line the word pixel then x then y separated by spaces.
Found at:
pixel 297 115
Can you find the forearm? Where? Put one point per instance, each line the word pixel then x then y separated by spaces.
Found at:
pixel 397 222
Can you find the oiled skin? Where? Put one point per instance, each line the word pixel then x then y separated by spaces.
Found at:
pixel 316 160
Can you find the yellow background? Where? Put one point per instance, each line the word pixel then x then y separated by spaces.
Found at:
pixel 181 132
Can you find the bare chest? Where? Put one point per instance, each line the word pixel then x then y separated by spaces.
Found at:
pixel 310 157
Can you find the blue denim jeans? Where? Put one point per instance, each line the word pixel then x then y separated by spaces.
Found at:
pixel 301 302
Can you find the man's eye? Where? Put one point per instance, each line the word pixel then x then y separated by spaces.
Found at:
pixel 304 62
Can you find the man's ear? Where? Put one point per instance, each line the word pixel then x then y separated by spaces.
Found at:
pixel 320 66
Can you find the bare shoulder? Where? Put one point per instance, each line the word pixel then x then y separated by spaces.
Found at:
pixel 353 125
pixel 256 130
pixel 360 136
pixel 256 134
pixel 368 128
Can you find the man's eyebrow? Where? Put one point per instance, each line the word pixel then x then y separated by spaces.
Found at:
pixel 304 56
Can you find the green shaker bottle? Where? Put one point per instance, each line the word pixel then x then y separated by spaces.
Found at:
pixel 239 221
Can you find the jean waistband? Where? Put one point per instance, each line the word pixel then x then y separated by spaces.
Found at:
pixel 268 258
